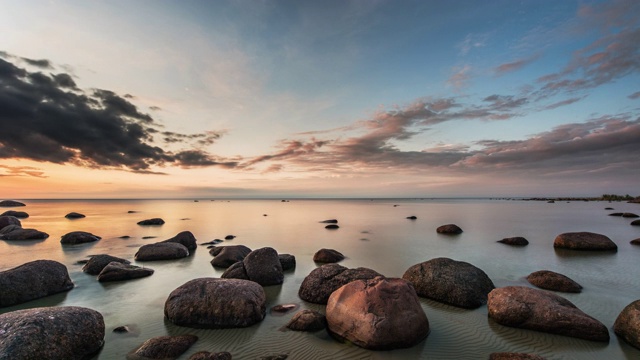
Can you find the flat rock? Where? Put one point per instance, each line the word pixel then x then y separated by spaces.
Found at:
pixel 154 221
pixel 117 271
pixel 78 237
pixel 540 310
pixel 635 223
pixel 185 238
pixel 515 241
pixel 14 232
pixel 327 256
pixel 11 203
pixel 635 241
pixel 630 215
pixel 75 215
pixel 449 281
pixel 97 262
pixel 225 256
pixel 329 221
pixel 584 241
pixel 164 347
pixel 449 229
pixel 321 282
pixel 307 320
pixel 216 303
pixel 161 251
pixel 332 227
pixel 52 333
pixel 16 214
pixel 33 280
pixel 627 324
pixel 377 314
pixel 550 280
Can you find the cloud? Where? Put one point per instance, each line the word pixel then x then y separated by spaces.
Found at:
pixel 45 117
pixel 635 95
pixel 22 171
pixel 473 41
pixel 563 103
pixel 460 77
pixel 514 65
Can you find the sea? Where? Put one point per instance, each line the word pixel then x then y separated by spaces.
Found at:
pixel 373 233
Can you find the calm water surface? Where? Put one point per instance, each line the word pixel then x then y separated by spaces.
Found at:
pixel 374 234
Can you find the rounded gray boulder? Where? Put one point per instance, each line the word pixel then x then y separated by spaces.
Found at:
pixel 33 280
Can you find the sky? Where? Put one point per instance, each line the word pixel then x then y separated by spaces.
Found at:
pixel 287 99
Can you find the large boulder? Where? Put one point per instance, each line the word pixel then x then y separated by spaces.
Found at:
pixel 154 221
pixel 449 281
pixel 307 320
pixel 627 324
pixel 236 271
pixel 540 310
pixel 11 203
pixel 185 238
pixel 33 280
pixel 377 314
pixel 321 282
pixel 449 229
pixel 550 280
pixel 17 214
pixel 263 266
pixel 584 241
pixel 98 262
pixel 53 333
pixel 15 232
pixel 161 251
pixel 164 347
pixel 78 237
pixel 117 271
pixel 216 303
pixel 226 256
pixel 6 220
pixel 327 256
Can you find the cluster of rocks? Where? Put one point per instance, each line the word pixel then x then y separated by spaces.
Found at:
pixel 177 247
pixel 11 229
pixel 263 266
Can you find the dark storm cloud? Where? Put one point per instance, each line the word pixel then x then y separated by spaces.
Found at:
pixel 45 117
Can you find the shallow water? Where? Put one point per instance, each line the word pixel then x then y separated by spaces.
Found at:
pixel 374 234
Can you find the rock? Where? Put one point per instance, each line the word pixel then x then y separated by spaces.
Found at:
pixel 377 314
pixel 283 308
pixel 33 280
pixel 516 241
pixel 330 221
pixel 307 320
pixel 216 303
pixel 226 256
pixel 205 355
pixel 116 271
pixel 412 217
pixel 235 271
pixel 327 256
pixel 635 223
pixel 74 215
pixel 97 262
pixel 53 333
pixel 608 208
pixel 277 356
pixel 122 329
pixel 287 261
pixel 449 229
pixel 125 237
pixel 154 221
pixel 449 281
pixel 514 356
pixel 10 203
pixel 627 324
pixel 185 238
pixel 9 220
pixel 584 241
pixel 332 227
pixel 321 282
pixel 616 214
pixel 78 237
pixel 161 251
pixel 164 347
pixel 229 237
pixel 635 241
pixel 16 214
pixel 263 266
pixel 630 215
pixel 13 232
pixel 550 280
pixel 527 308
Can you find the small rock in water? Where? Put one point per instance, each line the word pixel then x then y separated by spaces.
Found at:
pixel 412 217
pixel 449 229
pixel 332 227
pixel 121 329
pixel 75 215
pixel 630 215
pixel 327 256
pixel 205 355
pixel 149 237
pixel 516 241
pixel 16 214
pixel 125 237
pixel 635 223
pixel 11 203
pixel 330 221
pixel 229 237
pixel 514 356
pixel 154 221
pixel 283 308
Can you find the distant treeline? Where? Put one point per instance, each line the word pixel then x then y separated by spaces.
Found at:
pixel 614 197
pixel 604 197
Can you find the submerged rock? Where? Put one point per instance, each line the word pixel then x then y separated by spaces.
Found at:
pixel 321 282
pixel 14 232
pixel 154 221
pixel 53 333
pixel 33 280
pixel 327 256
pixel 161 251
pixel 7 220
pixel 550 280
pixel 412 217
pixel 75 215
pixel 514 356
pixel 635 241
pixel 11 203
pixel 206 355
pixel 449 229
pixel 630 215
pixel 116 271
pixel 527 308
pixel 216 303
pixel 516 241
pixel 449 281
pixel 164 347
pixel 627 324
pixel 584 241
pixel 78 237
pixel 97 262
pixel 329 221
pixel 307 320
pixel 16 214
pixel 377 314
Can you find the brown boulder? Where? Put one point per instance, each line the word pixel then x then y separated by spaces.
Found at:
pixel 449 229
pixel 161 251
pixel 527 308
pixel 515 241
pixel 14 232
pixel 117 271
pixel 52 333
pixel 584 241
pixel 307 320
pixel 33 280
pixel 78 237
pixel 185 238
pixel 154 221
pixel 327 256
pixel 550 280
pixel 17 214
pixel 263 266
pixel 226 256
pixel 11 203
pixel 216 303
pixel 205 355
pixel 627 324
pixel 98 262
pixel 377 314
pixel 7 220
pixel 235 271
pixel 449 281
pixel 321 282
pixel 164 347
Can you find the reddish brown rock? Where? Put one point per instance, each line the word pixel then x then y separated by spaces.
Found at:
pixel 164 347
pixel 449 229
pixel 550 280
pixel 307 320
pixel 78 237
pixel 584 241
pixel 627 324
pixel 515 241
pixel 321 282
pixel 327 256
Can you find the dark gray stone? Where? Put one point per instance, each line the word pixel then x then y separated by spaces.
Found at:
pixel 78 237
pixel 321 282
pixel 117 271
pixel 33 280
pixel 161 251
pixel 97 262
